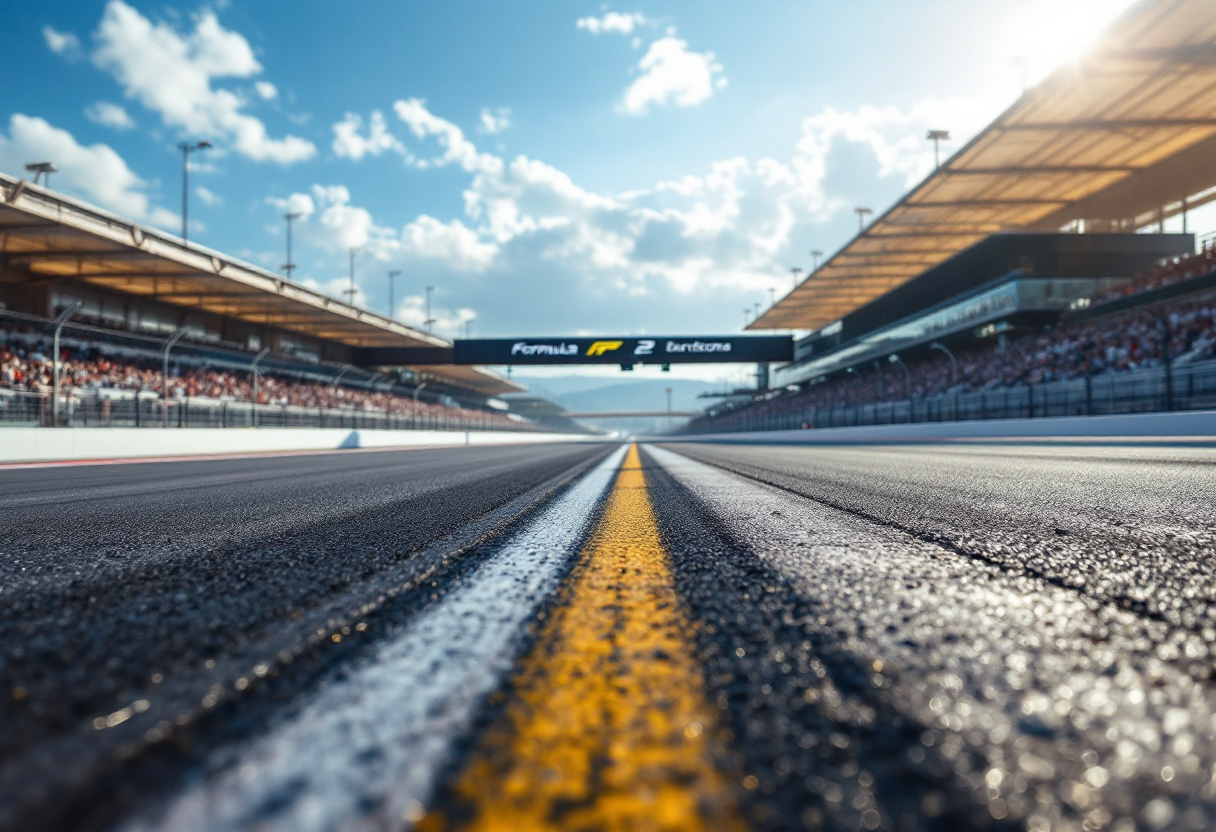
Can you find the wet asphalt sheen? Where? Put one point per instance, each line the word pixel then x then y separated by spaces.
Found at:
pixel 694 636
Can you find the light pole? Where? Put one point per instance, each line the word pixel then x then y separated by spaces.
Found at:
pixel 953 361
pixel 861 218
pixel 186 148
pixel 40 169
pixel 350 293
pixel 668 391
pixel 334 385
pixel 895 359
pixel 797 272
pixel 418 389
pixel 289 266
pixel 164 375
pixel 468 327
pixel 772 297
pixel 429 320
pixel 757 312
pixel 256 388
pixel 937 137
pixel 392 298
pixel 59 322
pixel 815 255
pixel 747 317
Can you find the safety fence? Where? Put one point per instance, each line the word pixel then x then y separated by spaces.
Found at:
pixel 1157 389
pixel 24 408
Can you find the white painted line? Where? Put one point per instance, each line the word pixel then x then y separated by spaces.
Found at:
pixel 988 660
pixel 364 752
pixel 75 463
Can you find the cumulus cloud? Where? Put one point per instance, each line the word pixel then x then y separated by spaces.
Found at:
pixel 454 243
pixel 172 73
pixel 672 74
pixel 445 321
pixel 95 171
pixel 349 143
pixel 266 90
pixel 346 226
pixel 451 139
pixel 612 22
pixel 64 44
pixel 301 204
pixel 109 114
pixel 692 244
pixel 208 196
pixel 494 121
pixel 897 137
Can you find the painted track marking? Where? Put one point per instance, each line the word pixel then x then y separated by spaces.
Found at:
pixel 386 729
pixel 608 727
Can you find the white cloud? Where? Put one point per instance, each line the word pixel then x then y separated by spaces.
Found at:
pixel 64 44
pixel 494 121
pixel 446 322
pixel 109 114
pixel 456 148
pixel 301 204
pixel 266 90
pixel 172 74
pixel 346 226
pixel 208 196
pixel 612 22
pixel 349 144
pixel 671 74
pixel 453 243
pixel 694 244
pixel 96 172
pixel 897 137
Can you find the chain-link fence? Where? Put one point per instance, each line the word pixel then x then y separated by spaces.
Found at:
pixel 20 408
pixel 1159 389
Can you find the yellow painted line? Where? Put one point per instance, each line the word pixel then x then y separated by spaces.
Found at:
pixel 608 727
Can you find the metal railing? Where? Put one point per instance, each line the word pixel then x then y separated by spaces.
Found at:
pixel 22 408
pixel 1158 389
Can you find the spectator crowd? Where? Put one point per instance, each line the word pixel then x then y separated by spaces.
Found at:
pixel 1184 329
pixel 86 370
pixel 1173 270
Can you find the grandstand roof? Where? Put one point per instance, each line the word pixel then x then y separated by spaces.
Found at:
pixel 50 237
pixel 1120 140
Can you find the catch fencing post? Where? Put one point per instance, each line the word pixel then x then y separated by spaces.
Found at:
pixel 59 322
pixel 256 390
pixel 1169 370
pixel 164 378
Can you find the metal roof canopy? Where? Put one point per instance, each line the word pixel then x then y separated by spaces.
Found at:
pixel 51 238
pixel 1121 140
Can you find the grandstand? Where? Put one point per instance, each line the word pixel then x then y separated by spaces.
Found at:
pixel 135 300
pixel 1029 274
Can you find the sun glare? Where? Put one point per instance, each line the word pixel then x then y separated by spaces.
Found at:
pixel 1076 27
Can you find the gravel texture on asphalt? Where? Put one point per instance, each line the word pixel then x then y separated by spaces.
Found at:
pixel 957 638
pixel 140 598
pixel 918 637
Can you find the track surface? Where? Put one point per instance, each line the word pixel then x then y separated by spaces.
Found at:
pixel 576 637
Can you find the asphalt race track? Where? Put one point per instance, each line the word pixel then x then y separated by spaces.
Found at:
pixel 592 637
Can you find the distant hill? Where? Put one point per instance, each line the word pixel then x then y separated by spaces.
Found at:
pixel 590 394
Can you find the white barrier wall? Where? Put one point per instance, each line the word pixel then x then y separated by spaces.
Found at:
pixel 1192 425
pixel 49 444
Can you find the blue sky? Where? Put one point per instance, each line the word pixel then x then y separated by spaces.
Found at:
pixel 549 167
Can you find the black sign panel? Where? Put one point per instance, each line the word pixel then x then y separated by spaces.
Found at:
pixel 746 349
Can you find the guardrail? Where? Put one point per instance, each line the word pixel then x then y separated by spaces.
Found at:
pixel 1158 389
pixel 30 409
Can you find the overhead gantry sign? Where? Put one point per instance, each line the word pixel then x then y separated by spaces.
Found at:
pixel 714 349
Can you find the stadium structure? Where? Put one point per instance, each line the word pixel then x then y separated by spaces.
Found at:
pixel 139 299
pixel 998 285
